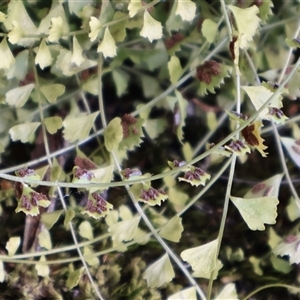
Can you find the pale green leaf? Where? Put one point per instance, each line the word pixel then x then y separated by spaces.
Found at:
pixel 265 9
pixel 18 96
pixel 174 21
pixel 228 292
pixel 141 237
pixel 293 148
pixel 154 127
pixel 74 278
pixel 12 245
pixel 95 27
pixel 57 10
pixel 269 187
pixel 108 45
pixel 2 272
pixel 70 214
pixel 187 151
pixel 86 230
pixel 64 63
pixel 45 239
pixel 257 211
pixel 259 95
pixel 40 173
pixel 53 124
pixel 247 23
pixel 91 259
pixel 91 85
pixel 150 86
pixel 152 29
pixel 43 270
pixel 274 239
pixel 105 174
pixel 202 258
pixel 17 12
pixel 23 132
pixel 200 273
pixel 160 272
pixel 175 69
pixel 77 57
pixel 124 230
pixel 16 33
pixel 57 173
pixel 78 128
pixel 112 218
pixel 20 68
pixel 75 7
pixel 180 115
pixel 280 265
pixel 133 7
pixel 177 198
pixel 172 230
pixel 293 43
pixel 56 30
pixel 293 210
pixel 125 213
pixel 256 265
pixel 289 246
pixel 186 294
pixel 9 60
pixel 117 30
pixel 121 81
pixel 113 134
pixel 2 19
pixel 106 13
pixel 186 9
pixel 209 30
pixel 50 218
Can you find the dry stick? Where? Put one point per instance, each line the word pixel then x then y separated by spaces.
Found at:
pixel 137 206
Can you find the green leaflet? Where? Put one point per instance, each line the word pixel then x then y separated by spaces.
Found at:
pixel 108 45
pixel 50 218
pixel 189 293
pixel 78 128
pixel 152 29
pixel 201 258
pixel 23 132
pixel 42 269
pixel 172 230
pixel 209 30
pixel 45 239
pixel 53 124
pixel 52 91
pixel 74 278
pixel 18 96
pixel 247 23
pixel 257 211
pixel 113 134
pixel 43 56
pixel 12 245
pixel 159 272
pixel 186 10
pixel 175 69
pixel 86 230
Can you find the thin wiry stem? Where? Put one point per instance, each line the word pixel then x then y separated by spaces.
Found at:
pixel 46 144
pixel 134 201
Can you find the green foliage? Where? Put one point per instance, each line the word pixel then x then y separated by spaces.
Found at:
pixel 113 121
